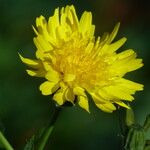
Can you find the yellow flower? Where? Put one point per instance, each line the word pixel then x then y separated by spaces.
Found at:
pixel 74 62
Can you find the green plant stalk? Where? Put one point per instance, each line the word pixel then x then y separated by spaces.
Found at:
pixel 5 143
pixel 123 129
pixel 49 129
pixel 45 138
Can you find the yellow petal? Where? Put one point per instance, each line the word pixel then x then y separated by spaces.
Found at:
pixel 104 38
pixel 125 54
pixel 37 73
pixel 79 91
pixel 39 54
pixel 69 15
pixel 59 97
pixel 42 44
pixel 128 63
pixel 52 75
pixel 29 62
pixel 104 94
pixel 122 104
pixel 89 47
pixel 31 72
pixel 130 84
pixel 85 24
pixel 61 34
pixel 63 16
pixel 53 23
pixel 117 92
pixel 103 50
pixel 83 102
pixel 40 22
pixel 35 31
pixel 135 64
pixel 97 43
pixel 115 46
pixel 48 88
pixel 114 33
pixel 69 77
pixel 74 17
pixel 38 44
pixel 106 107
pixel 97 98
pixel 69 95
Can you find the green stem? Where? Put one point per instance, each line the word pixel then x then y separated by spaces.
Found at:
pixel 121 116
pixel 5 143
pixel 45 138
pixel 49 129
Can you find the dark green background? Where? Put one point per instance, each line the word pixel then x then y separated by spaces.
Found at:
pixel 23 110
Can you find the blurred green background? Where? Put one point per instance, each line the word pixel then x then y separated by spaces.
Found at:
pixel 23 110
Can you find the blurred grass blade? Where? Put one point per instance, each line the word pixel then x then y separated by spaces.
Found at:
pixel 5 144
pixel 2 130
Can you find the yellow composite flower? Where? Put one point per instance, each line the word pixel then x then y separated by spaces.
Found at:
pixel 74 62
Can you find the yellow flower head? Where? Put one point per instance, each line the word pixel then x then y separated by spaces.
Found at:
pixel 74 62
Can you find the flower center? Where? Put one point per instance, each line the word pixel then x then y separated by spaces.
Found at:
pixel 85 69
